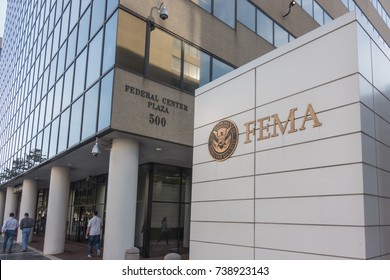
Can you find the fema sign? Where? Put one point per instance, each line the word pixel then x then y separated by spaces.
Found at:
pixel 223 139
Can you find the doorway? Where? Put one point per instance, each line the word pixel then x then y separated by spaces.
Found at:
pixel 163 210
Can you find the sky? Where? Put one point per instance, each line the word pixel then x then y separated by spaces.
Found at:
pixel 3 6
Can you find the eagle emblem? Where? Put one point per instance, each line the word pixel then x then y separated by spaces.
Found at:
pixel 223 140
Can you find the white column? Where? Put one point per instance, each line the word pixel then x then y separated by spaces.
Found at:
pixel 29 201
pixel 57 210
pixel 11 203
pixel 121 199
pixel 2 205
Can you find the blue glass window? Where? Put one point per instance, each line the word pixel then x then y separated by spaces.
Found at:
pixel 105 101
pixel 64 129
pixel 246 14
pixel 264 26
pixel 110 43
pixel 83 31
pixel 225 11
pixel 98 9
pixel 219 69
pixel 75 122
pixel 90 111
pixel 68 86
pixel 79 76
pixel 94 58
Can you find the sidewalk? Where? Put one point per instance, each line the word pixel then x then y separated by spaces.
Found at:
pixel 72 251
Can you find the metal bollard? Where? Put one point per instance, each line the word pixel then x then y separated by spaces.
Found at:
pixel 132 254
pixel 172 256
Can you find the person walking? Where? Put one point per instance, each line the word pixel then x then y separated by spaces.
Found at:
pixel 9 230
pixel 26 224
pixel 95 224
pixel 164 230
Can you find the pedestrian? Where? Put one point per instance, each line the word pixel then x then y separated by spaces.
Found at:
pixel 26 225
pixel 95 224
pixel 9 230
pixel 164 229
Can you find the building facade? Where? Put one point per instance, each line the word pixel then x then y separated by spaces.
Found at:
pixel 298 169
pixel 116 78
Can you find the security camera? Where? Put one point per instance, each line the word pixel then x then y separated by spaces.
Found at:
pixel 163 11
pixel 96 149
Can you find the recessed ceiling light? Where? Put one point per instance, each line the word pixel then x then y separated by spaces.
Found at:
pixel 158 149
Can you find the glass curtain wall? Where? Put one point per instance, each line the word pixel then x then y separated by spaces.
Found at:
pixel 61 62
pixel 163 210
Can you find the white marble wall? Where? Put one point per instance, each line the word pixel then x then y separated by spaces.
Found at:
pixel 320 193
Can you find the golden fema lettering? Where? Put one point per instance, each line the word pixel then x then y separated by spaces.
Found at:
pixel 272 126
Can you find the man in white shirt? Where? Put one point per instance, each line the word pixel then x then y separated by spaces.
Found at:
pixel 9 230
pixel 95 224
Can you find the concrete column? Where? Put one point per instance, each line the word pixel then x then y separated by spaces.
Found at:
pixel 57 210
pixel 29 201
pixel 11 203
pixel 2 205
pixel 121 198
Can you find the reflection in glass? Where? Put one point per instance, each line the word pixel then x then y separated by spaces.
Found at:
pixel 38 145
pixel 220 69
pixel 318 13
pixel 71 47
pixel 225 11
pixel 97 15
pixel 42 114
pixel 246 14
pixel 75 122
pixel 53 68
pixel 94 58
pixel 110 43
pixel 164 223
pixel 205 73
pixel 191 75
pixel 61 61
pixel 83 31
pixel 111 5
pixel 45 141
pixel 57 98
pixel 64 129
pixel 205 4
pixel 84 4
pixel 281 36
pixel 53 138
pixel 79 76
pixel 105 101
pixel 68 85
pixel 163 52
pixel 49 106
pixel 307 5
pixel 90 111
pixel 74 15
pixel 131 42
pixel 264 26
pixel 56 37
pixel 64 27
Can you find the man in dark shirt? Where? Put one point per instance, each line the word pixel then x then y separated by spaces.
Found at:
pixel 26 224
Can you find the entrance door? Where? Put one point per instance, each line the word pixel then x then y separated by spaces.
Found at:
pixel 163 207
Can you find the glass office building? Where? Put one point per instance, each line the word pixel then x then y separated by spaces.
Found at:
pixel 114 76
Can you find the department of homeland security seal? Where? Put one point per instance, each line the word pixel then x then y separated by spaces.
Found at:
pixel 223 140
